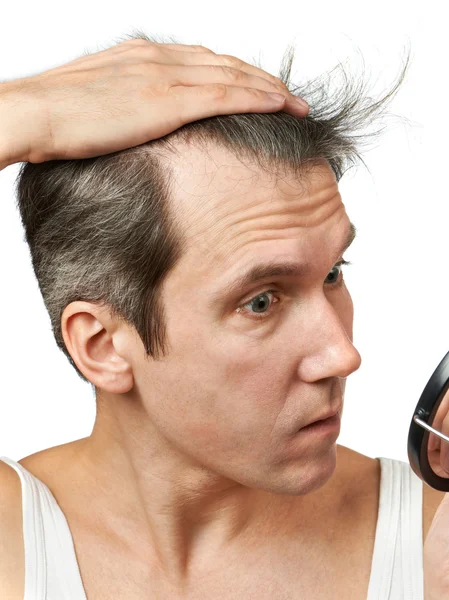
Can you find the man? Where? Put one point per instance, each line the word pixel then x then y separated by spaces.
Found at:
pixel 226 336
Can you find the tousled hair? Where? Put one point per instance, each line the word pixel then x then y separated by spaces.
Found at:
pixel 101 230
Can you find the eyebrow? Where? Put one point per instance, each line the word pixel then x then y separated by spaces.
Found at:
pixel 278 269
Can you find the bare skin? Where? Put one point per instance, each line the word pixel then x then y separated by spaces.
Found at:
pixel 208 490
pixel 126 95
pixel 291 555
pixel 200 471
pixel 201 461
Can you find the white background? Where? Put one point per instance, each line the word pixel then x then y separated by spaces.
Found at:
pixel 399 277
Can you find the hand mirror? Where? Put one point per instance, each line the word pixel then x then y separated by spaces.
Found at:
pixel 428 437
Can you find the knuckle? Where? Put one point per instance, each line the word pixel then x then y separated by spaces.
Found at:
pixel 146 49
pixel 217 91
pixel 281 84
pixel 277 82
pixel 231 61
pixel 201 48
pixel 231 73
pixel 254 92
pixel 153 50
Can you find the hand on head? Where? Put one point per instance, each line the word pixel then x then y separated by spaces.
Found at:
pixel 130 94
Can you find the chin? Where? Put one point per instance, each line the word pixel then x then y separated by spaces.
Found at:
pixel 301 477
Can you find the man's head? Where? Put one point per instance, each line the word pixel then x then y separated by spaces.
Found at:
pixel 248 364
pixel 141 256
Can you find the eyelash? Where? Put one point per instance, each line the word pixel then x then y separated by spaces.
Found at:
pixel 259 316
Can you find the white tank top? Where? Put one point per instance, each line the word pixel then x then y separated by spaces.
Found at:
pixel 52 571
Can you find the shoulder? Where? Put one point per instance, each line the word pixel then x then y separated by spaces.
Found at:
pixel 358 488
pixel 12 559
pixel 362 474
pixel 358 474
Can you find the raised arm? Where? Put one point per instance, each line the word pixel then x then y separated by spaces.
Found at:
pixel 127 95
pixel 21 126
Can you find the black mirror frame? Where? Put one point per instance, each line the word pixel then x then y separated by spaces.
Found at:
pixel 418 436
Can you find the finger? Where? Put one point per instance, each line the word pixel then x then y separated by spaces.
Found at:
pixel 188 48
pixel 201 101
pixel 180 47
pixel 200 75
pixel 433 442
pixel 100 56
pixel 125 46
pixel 444 457
pixel 200 55
pixel 143 42
pixel 225 60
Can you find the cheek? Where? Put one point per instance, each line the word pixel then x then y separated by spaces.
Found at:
pixel 227 397
pixel 226 390
pixel 252 385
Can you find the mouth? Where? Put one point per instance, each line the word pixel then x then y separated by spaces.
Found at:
pixel 324 426
pixel 328 416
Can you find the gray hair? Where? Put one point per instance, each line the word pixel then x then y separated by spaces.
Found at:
pixel 100 229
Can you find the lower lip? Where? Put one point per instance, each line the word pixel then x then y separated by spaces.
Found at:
pixel 325 427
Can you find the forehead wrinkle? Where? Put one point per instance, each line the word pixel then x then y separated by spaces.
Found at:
pixel 214 222
pixel 209 204
pixel 230 240
pixel 276 268
pixel 278 204
pixel 222 236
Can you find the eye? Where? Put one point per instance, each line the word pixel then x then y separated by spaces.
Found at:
pixel 260 304
pixel 334 275
pixel 259 307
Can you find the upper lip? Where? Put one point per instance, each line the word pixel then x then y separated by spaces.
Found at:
pixel 327 415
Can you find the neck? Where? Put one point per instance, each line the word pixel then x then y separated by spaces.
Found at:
pixel 181 515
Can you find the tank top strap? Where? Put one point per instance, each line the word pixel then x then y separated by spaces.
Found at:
pixel 397 565
pixel 33 534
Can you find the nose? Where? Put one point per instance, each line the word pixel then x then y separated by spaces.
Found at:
pixel 331 351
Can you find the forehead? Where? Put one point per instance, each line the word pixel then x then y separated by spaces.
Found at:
pixel 231 211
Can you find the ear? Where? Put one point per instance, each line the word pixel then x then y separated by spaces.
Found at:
pixel 97 343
